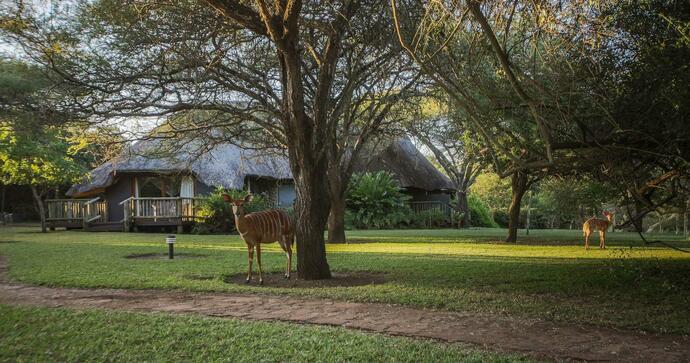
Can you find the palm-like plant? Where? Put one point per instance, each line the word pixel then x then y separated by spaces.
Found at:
pixel 376 201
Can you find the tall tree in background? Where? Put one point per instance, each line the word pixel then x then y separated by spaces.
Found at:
pixel 642 75
pixel 543 85
pixel 38 159
pixel 455 150
pixel 34 146
pixel 464 51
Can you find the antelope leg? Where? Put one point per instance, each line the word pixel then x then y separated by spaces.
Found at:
pixel 250 252
pixel 258 260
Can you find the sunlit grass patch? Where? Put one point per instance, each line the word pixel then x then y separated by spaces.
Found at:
pixel 550 278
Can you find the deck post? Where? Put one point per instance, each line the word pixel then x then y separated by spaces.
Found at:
pixel 125 222
pixel 84 216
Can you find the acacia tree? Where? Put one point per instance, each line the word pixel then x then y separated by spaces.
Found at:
pixel 455 151
pixel 296 70
pixel 455 44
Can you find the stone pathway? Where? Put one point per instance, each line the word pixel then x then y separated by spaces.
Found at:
pixel 536 338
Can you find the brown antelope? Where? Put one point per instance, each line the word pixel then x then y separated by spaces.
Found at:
pixel 262 227
pixel 601 225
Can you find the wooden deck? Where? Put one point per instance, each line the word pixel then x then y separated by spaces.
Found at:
pixel 76 213
pixel 92 214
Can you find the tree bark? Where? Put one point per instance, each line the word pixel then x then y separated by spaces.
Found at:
pixel 529 212
pixel 336 221
pixel 311 210
pixel 41 209
pixel 463 206
pixel 2 199
pixel 519 183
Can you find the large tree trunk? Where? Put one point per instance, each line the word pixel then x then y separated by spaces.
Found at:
pixel 337 187
pixel 529 212
pixel 519 183
pixel 336 221
pixel 308 159
pixel 41 209
pixel 464 208
pixel 311 209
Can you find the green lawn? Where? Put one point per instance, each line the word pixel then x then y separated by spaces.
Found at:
pixel 36 335
pixel 548 276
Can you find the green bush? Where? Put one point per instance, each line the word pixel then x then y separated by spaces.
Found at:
pixel 217 213
pixel 481 217
pixel 501 218
pixel 374 200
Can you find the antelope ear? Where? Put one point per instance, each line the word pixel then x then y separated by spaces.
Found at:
pixel 248 198
pixel 227 198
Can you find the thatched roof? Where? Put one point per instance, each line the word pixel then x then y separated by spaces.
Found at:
pixel 227 165
pixel 410 167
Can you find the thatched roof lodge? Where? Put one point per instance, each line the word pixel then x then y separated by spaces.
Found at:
pixel 150 183
pixel 413 171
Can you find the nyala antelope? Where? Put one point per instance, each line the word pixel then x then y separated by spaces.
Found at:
pixel 262 227
pixel 595 224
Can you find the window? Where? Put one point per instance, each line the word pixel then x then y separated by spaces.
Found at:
pixel 159 186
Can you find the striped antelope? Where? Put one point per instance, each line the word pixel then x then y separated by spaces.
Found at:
pixel 601 225
pixel 262 227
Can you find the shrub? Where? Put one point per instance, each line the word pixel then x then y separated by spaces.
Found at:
pixel 217 213
pixel 375 200
pixel 481 217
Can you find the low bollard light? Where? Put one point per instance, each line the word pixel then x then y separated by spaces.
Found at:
pixel 170 240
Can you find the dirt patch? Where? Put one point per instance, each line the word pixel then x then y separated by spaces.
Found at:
pixel 340 279
pixel 162 256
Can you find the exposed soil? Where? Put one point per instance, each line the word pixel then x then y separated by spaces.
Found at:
pixel 540 339
pixel 339 280
pixel 164 256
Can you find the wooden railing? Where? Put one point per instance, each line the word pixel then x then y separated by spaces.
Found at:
pixel 450 213
pixel 95 210
pixel 65 209
pixel 77 211
pixel 418 207
pixel 159 208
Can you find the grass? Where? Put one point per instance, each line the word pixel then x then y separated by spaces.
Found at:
pixel 548 276
pixel 40 334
